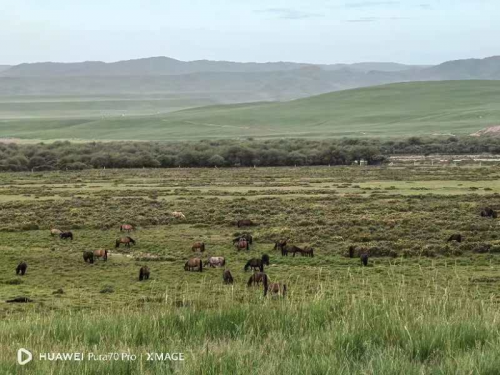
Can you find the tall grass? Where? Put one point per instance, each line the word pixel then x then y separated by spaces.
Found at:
pixel 394 334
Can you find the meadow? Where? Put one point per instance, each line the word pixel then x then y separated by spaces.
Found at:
pixel 422 306
pixel 395 110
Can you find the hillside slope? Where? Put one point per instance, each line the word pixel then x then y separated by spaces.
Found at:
pixel 456 107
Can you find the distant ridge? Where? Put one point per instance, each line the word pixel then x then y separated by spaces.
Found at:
pixel 168 66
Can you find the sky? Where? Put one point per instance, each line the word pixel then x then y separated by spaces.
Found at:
pixel 313 31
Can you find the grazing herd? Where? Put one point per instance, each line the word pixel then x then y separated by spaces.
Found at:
pixel 241 242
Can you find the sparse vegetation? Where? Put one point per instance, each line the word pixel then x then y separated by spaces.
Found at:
pixel 422 305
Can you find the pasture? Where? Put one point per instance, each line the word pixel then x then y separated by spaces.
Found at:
pixel 395 110
pixel 422 305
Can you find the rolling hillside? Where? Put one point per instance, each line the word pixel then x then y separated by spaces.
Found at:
pixel 453 107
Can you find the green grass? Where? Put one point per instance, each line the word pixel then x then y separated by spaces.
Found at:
pixel 452 107
pixel 433 309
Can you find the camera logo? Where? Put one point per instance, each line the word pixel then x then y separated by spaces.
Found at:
pixel 24 356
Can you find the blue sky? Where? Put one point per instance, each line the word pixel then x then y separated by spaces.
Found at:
pixel 407 31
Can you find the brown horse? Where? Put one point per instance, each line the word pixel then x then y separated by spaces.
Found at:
pixel 55 232
pixel 242 244
pixel 227 277
pixel 257 278
pixel 21 268
pixel 144 273
pixel 88 257
pixel 126 228
pixel 125 240
pixel 276 289
pixel 198 246
pixel 307 251
pixel 101 254
pixel 245 223
pixel 245 236
pixel 193 264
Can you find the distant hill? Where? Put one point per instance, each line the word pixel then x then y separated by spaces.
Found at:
pixel 421 108
pixel 161 84
pixel 168 66
pixel 488 68
pixel 4 67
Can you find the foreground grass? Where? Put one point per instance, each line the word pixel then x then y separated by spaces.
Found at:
pixel 390 335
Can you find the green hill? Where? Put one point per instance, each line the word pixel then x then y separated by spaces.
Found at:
pixel 456 107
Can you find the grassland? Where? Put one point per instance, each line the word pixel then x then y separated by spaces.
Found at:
pixel 422 108
pixel 423 306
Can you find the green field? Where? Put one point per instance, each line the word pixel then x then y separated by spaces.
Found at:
pixel 423 108
pixel 422 306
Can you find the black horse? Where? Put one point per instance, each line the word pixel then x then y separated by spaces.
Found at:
pixel 291 249
pixel 455 237
pixel 255 263
pixel 144 273
pixel 227 277
pixel 66 235
pixel 352 250
pixel 279 245
pixel 21 268
pixel 489 212
pixel 364 259
pixel 88 257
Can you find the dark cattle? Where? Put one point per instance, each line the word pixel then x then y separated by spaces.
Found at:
pixel 352 250
pixel 245 223
pixel 193 264
pixel 275 289
pixel 255 263
pixel 227 277
pixel 144 273
pixel 455 237
pixel 364 259
pixel 88 257
pixel 66 235
pixel 257 278
pixel 21 268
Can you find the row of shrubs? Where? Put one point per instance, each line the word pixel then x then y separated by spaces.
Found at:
pixel 63 155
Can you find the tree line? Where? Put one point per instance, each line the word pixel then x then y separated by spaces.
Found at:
pixel 64 155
